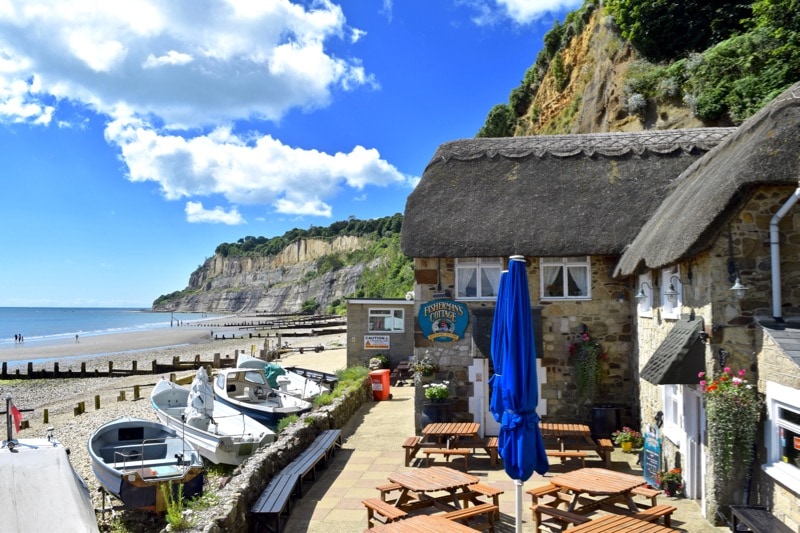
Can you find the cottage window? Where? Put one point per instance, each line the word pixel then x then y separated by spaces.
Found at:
pixel 670 309
pixel 673 412
pixel 645 305
pixel 782 435
pixel 386 320
pixel 565 278
pixel 478 278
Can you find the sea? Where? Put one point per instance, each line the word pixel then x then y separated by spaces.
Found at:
pixel 53 324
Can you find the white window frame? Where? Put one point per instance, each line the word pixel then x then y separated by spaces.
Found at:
pixel 669 310
pixel 644 307
pixel 672 400
pixel 567 264
pixel 480 267
pixel 396 315
pixel 780 396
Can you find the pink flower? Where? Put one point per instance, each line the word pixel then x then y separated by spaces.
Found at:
pixel 703 383
pixel 727 370
pixel 701 375
pixel 585 337
pixel 737 381
pixel 742 373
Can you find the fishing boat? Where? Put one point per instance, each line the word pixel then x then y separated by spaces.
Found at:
pixel 285 380
pixel 37 468
pixel 222 434
pixel 247 390
pixel 132 458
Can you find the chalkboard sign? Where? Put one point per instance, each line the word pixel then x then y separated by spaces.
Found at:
pixel 651 462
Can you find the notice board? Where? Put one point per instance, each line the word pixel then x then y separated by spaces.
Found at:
pixel 651 456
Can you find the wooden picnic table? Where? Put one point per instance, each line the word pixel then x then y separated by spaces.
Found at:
pixel 574 436
pixel 418 486
pixel 423 524
pixel 607 484
pixel 618 523
pixel 443 431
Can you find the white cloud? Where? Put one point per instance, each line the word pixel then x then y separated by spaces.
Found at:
pixel 520 11
pixel 195 212
pixel 230 60
pixel 257 170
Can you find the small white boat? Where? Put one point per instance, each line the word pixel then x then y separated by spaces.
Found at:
pixel 284 380
pixel 132 458
pixel 222 434
pixel 41 490
pixel 247 390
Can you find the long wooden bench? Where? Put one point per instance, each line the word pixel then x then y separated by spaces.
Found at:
pixel 275 502
pixel 468 513
pixel 318 453
pixel 569 454
pixel 376 506
pixel 489 492
pixel 604 449
pixel 757 519
pixel 647 492
pixel 447 453
pixel 563 518
pixel 655 512
pixel 411 446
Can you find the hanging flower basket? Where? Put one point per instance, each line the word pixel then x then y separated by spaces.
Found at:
pixel 587 354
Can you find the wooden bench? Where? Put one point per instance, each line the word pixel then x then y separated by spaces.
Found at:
pixel 563 518
pixel 376 506
pixel 541 492
pixel 412 446
pixel 275 502
pixel 604 449
pixel 655 512
pixel 467 513
pixel 756 519
pixel 388 488
pixel 647 492
pixel 489 492
pixel 447 453
pixel 491 449
pixel 569 455
pixel 319 452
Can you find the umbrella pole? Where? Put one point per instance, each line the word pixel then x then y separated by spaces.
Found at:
pixel 518 517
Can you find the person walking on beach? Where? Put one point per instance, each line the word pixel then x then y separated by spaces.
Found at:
pixel 76 339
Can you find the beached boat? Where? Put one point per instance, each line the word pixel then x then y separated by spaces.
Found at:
pixel 132 458
pixel 285 380
pixel 222 434
pixel 36 473
pixel 247 390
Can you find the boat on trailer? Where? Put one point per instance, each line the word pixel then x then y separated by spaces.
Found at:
pixel 222 434
pixel 247 390
pixel 132 458
pixel 37 468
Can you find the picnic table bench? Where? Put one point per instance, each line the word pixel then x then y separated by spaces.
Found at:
pixel 447 453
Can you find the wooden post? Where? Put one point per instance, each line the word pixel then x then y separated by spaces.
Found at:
pixel 30 370
pixel 110 368
pixel 5 370
pixel 45 416
pixel 83 369
pixel 82 407
pixel 216 361
pixel 121 397
pixel 173 377
pixel 136 392
pixel 135 365
pixel 155 366
pixel 55 369
pixel 96 402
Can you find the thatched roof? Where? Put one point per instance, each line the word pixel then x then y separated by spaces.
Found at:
pixel 546 195
pixel 765 150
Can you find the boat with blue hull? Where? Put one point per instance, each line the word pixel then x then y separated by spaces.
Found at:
pixel 132 458
pixel 247 390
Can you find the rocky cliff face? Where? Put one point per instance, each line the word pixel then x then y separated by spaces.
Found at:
pixel 592 99
pixel 278 284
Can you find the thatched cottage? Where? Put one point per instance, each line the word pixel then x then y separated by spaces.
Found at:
pixel 637 239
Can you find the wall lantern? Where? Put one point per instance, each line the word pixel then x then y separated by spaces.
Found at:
pixel 641 296
pixel 739 289
pixel 723 357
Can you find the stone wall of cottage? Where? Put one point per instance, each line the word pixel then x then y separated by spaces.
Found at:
pixel 775 366
pixel 742 246
pixel 607 319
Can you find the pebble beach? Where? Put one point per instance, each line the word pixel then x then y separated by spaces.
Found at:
pixel 60 396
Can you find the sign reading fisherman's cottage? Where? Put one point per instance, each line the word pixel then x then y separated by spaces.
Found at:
pixel 443 320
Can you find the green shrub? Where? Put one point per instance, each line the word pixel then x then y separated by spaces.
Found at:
pixel 286 421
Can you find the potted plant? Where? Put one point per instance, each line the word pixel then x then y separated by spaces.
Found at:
pixel 732 412
pixel 437 408
pixel 378 362
pixel 587 354
pixel 628 438
pixel 670 481
pixel 425 366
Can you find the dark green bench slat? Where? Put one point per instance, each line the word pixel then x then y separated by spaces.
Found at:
pixel 274 502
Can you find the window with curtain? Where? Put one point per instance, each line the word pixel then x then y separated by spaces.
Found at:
pixel 782 433
pixel 565 278
pixel 385 320
pixel 478 278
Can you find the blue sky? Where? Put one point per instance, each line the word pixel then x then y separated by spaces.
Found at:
pixel 135 137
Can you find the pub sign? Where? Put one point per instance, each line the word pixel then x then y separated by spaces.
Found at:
pixel 443 320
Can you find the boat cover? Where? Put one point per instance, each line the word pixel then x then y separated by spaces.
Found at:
pixel 273 371
pixel 200 403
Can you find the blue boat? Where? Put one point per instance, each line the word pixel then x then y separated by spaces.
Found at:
pixel 132 458
pixel 247 390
